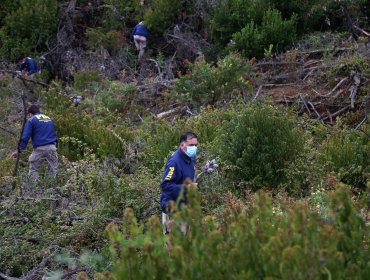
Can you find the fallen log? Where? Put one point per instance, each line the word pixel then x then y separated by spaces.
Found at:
pixel 167 113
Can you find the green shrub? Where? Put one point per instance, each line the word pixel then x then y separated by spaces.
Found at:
pixel 116 13
pixel 207 124
pixel 253 244
pixel 161 15
pixel 232 15
pixel 86 79
pixel 207 84
pixel 243 21
pixel 161 139
pixel 90 133
pixel 120 97
pixel 28 27
pixel 249 41
pixel 141 192
pixel 260 142
pixel 347 153
pixel 7 7
pixel 111 40
pixel 253 39
pixel 72 148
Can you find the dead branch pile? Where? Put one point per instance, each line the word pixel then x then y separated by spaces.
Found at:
pixel 302 77
pixel 187 43
pixel 67 54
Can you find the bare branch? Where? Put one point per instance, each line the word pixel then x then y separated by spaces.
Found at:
pixel 30 275
pixel 8 131
pixel 337 85
pixel 336 113
pixel 6 277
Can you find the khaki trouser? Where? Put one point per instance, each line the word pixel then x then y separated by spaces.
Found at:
pixel 47 154
pixel 167 222
pixel 140 43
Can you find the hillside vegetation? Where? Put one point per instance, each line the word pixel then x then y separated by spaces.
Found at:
pixel 278 93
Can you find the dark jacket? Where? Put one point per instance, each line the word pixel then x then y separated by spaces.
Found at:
pixel 140 29
pixel 178 167
pixel 41 129
pixel 30 65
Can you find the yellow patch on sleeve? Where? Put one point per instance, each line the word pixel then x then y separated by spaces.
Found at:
pixel 170 173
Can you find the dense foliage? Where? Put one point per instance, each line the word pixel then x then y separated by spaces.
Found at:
pixel 259 142
pixel 289 197
pixel 250 241
pixel 27 27
pixel 210 85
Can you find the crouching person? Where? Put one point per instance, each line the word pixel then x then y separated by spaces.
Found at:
pixel 29 66
pixel 40 128
pixel 140 36
pixel 179 171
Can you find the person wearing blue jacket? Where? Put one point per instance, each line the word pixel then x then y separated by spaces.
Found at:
pixel 180 167
pixel 140 36
pixel 29 65
pixel 40 128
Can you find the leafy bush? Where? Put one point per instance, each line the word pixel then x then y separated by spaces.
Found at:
pixel 207 84
pixel 243 21
pixel 116 10
pixel 85 79
pixel 27 28
pixel 72 148
pixel 161 139
pixel 90 134
pixel 253 39
pixel 120 97
pixel 112 40
pixel 347 153
pixel 259 142
pixel 207 124
pixel 7 7
pixel 254 243
pixel 161 15
pixel 231 15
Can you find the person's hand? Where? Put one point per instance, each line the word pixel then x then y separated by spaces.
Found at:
pixel 188 183
pixel 14 154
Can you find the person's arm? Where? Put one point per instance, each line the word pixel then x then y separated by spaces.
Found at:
pixel 25 136
pixel 21 67
pixel 169 180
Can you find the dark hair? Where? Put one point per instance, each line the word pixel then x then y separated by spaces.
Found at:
pixel 33 109
pixel 20 58
pixel 187 136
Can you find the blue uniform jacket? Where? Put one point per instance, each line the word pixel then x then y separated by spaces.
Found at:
pixel 140 29
pixel 41 129
pixel 30 65
pixel 178 167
